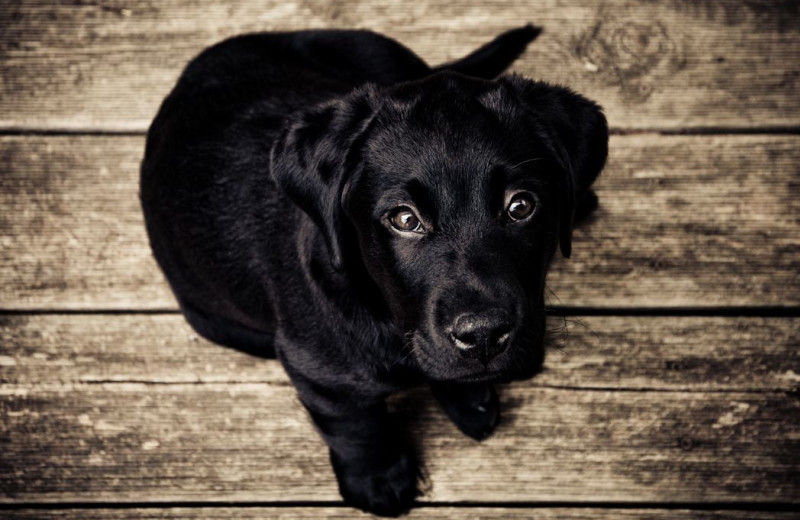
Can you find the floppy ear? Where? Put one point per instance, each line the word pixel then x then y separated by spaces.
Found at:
pixel 315 155
pixel 577 132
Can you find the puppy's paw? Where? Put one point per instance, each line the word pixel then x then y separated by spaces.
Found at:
pixel 475 409
pixel 385 487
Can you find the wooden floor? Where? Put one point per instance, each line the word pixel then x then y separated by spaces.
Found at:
pixel 672 389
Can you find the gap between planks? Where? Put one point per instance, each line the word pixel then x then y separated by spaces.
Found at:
pixel 433 511
pixel 88 131
pixel 563 310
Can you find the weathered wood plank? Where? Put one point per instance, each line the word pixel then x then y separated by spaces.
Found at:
pixel 422 512
pixel 655 353
pixel 671 64
pixel 189 432
pixel 253 442
pixel 71 228
pixel 691 221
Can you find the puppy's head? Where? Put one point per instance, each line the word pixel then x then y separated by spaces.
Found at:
pixel 459 191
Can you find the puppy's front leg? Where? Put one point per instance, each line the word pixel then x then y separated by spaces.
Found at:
pixel 474 408
pixel 376 470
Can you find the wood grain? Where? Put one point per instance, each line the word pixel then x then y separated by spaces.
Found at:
pixel 419 513
pixel 106 66
pixel 134 408
pixel 253 442
pixel 629 353
pixel 123 416
pixel 684 221
pixel 71 225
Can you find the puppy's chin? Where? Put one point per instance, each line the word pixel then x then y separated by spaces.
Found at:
pixel 522 360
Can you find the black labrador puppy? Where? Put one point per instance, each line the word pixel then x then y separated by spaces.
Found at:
pixel 327 197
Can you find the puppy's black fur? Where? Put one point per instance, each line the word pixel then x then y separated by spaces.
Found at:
pixel 327 197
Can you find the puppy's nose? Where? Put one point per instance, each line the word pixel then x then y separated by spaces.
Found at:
pixel 482 335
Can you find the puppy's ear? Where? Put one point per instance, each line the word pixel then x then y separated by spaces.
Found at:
pixel 315 155
pixel 577 132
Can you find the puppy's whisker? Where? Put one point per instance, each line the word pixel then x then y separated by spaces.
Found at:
pixel 578 321
pixel 526 161
pixel 408 347
pixel 551 341
pixel 550 292
pixel 404 358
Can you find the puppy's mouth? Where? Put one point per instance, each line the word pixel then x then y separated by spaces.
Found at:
pixel 441 361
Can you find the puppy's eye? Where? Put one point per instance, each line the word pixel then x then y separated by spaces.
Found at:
pixel 403 219
pixel 521 206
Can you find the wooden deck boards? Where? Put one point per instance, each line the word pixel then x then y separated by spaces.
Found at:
pixel 665 65
pixel 672 384
pixel 135 408
pixel 420 513
pixel 684 221
pixel 655 353
pixel 136 442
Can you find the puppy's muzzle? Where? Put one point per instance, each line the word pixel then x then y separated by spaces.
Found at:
pixel 482 335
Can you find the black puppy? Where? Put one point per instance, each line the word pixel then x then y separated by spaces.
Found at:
pixel 328 197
